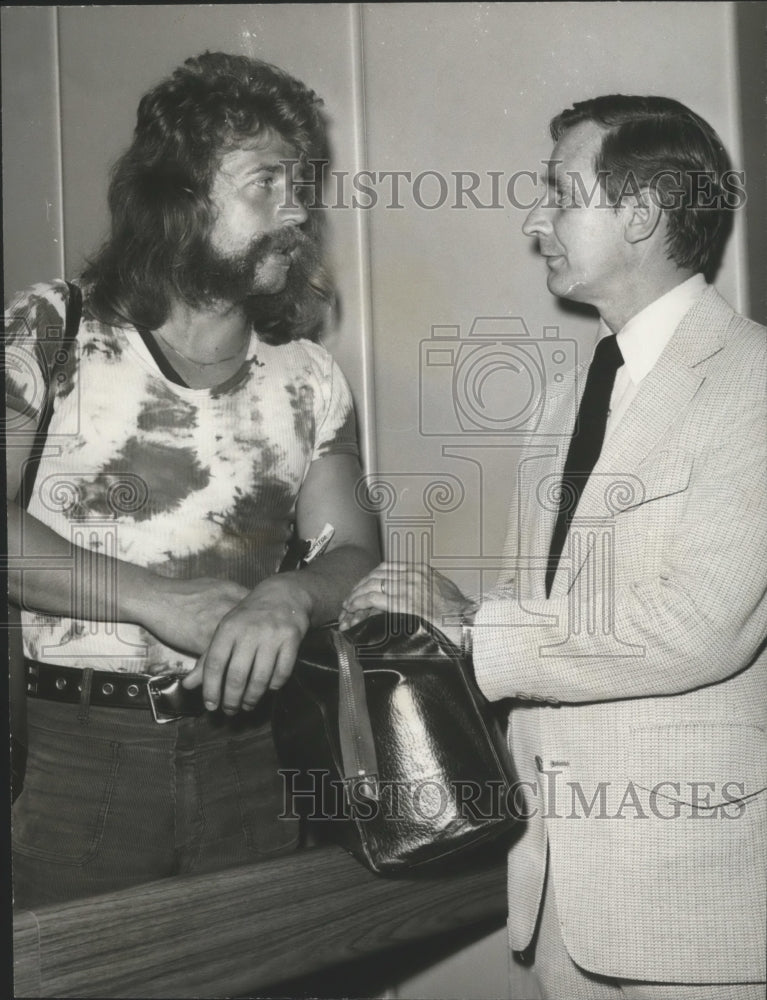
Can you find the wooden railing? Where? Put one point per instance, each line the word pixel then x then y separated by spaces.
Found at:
pixel 242 930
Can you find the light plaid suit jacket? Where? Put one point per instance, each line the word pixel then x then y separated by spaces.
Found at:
pixel 639 725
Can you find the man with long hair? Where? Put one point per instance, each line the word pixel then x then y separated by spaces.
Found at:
pixel 196 435
pixel 628 628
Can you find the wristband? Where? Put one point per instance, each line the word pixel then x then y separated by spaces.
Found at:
pixel 467 630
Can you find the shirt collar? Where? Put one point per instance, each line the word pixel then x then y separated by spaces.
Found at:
pixel 644 337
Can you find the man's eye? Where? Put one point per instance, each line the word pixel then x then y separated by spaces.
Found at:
pixel 565 201
pixel 555 200
pixel 264 181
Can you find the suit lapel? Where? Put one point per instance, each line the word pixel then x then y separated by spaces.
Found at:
pixel 659 403
pixel 658 406
pixel 669 387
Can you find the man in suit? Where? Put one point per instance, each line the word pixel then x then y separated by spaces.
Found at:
pixel 629 629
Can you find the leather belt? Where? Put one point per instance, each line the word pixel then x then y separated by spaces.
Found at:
pixel 165 696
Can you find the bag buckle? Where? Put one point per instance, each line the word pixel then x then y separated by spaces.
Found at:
pixel 163 692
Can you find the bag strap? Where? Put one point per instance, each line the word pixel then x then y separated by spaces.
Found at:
pixel 53 366
pixel 358 752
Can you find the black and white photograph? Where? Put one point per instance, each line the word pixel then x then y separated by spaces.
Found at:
pixel 386 469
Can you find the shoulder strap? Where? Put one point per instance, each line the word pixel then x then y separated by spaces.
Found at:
pixel 54 366
pixel 74 312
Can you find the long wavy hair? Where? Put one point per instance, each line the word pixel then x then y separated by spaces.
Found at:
pixel 159 195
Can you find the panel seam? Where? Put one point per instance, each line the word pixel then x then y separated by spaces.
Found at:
pixel 59 141
pixel 369 450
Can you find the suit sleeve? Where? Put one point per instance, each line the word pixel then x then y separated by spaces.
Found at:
pixel 700 619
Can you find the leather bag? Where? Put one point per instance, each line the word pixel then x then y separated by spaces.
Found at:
pixel 382 731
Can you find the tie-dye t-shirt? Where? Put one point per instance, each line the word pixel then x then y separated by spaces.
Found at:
pixel 186 482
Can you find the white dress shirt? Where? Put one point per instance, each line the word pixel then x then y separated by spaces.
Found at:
pixel 643 339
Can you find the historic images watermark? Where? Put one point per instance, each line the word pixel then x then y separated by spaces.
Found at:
pixel 321 796
pixel 315 185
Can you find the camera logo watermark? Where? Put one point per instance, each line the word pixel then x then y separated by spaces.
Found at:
pixel 494 380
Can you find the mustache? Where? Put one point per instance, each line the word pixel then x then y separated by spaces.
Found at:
pixel 284 240
pixel 302 248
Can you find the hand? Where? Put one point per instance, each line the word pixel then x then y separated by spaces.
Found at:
pixel 185 614
pixel 408 589
pixel 254 646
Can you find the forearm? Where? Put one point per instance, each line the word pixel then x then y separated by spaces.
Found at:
pixel 58 578
pixel 49 574
pixel 322 585
pixel 256 643
pixel 661 642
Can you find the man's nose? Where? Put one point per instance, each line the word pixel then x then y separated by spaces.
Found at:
pixel 537 222
pixel 293 212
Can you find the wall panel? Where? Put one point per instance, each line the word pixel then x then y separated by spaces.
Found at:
pixel 471 87
pixel 751 55
pixel 32 231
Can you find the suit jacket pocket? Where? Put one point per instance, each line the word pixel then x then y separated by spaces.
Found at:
pixel 702 765
pixel 662 474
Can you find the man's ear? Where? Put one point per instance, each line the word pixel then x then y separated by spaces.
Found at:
pixel 643 215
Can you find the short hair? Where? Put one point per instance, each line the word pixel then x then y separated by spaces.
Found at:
pixel 659 144
pixel 159 193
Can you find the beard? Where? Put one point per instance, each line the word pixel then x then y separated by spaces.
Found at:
pixel 258 270
pixel 281 303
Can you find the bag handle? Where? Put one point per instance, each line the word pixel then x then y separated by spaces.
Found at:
pixel 358 752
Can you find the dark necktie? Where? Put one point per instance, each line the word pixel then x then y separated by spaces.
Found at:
pixel 585 444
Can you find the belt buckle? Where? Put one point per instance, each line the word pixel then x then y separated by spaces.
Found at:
pixel 166 685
